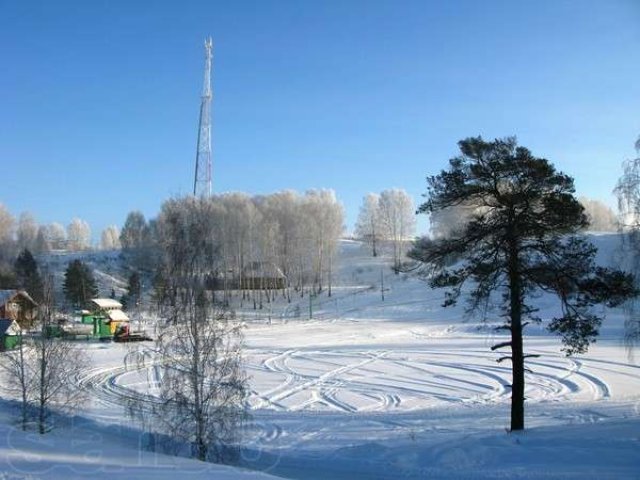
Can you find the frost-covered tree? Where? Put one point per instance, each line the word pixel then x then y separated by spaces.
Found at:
pixel 628 192
pixel 7 225
pixel 282 218
pixel 110 238
pixel 57 236
pixel 55 365
pixel 202 385
pixel 43 241
pixel 43 370
pixel 239 238
pixel 135 232
pixel 27 232
pixel 368 227
pixel 523 242
pixel 397 215
pixel 325 223
pixel 264 245
pixel 138 242
pixel 78 235
pixel 7 247
pixel 601 217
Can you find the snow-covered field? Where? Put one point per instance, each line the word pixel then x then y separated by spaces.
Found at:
pixel 398 388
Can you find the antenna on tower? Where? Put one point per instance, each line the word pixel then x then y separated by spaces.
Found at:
pixel 202 181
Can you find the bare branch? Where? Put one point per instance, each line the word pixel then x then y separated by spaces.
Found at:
pixel 501 345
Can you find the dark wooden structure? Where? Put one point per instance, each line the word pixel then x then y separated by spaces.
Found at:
pixel 19 306
pixel 255 276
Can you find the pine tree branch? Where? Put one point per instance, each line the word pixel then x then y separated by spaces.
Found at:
pixel 502 359
pixel 501 345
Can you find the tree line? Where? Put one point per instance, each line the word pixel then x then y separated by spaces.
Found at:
pixel 26 233
pixel 255 246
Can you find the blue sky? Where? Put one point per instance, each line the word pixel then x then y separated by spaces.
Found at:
pixel 99 99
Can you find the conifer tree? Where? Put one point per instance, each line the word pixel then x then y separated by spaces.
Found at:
pixel 524 239
pixel 28 276
pixel 79 284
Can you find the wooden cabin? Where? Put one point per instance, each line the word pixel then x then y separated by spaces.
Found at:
pixel 254 276
pixel 19 306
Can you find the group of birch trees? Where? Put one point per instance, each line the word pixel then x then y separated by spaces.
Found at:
pixel 25 232
pixel 258 246
pixel 387 223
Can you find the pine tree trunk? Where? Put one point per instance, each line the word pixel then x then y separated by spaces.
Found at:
pixel 517 354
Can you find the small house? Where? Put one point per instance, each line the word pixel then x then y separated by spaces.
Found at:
pixel 254 276
pixel 9 334
pixel 19 306
pixel 112 312
pixel 262 276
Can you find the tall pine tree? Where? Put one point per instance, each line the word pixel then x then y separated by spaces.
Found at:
pixel 523 237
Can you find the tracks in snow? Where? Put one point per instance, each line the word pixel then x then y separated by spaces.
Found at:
pixel 349 380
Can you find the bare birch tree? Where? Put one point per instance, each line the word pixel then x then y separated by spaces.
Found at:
pixel 7 240
pixel 368 224
pixel 110 238
pixel 27 232
pixel 202 384
pixel 628 192
pixel 198 348
pixel 17 378
pixel 43 240
pixel 273 236
pixel 397 213
pixel 78 235
pixel 7 225
pixel 43 371
pixel 57 236
pixel 324 222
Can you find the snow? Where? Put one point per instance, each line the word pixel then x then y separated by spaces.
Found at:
pixel 373 389
pixel 107 303
pixel 85 449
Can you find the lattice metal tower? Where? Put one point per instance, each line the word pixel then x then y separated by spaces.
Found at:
pixel 202 181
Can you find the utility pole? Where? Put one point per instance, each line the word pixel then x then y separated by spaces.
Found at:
pixel 311 297
pixel 382 289
pixel 202 180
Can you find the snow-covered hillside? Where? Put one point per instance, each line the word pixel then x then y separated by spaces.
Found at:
pixel 85 449
pixel 399 388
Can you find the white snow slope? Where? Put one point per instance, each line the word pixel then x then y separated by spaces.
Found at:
pixel 393 389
